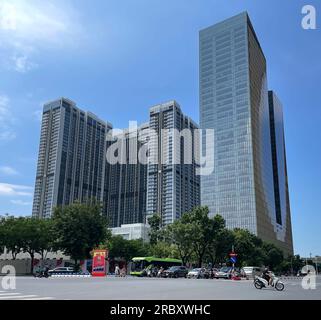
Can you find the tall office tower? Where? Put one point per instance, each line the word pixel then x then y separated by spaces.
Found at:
pixel 125 181
pixel 234 102
pixel 71 160
pixel 172 184
pixel 280 178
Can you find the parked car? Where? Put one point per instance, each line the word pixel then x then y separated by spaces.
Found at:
pixel 61 270
pixel 224 273
pixel 251 272
pixel 176 272
pixel 199 273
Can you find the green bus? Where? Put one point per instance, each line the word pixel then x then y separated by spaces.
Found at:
pixel 139 264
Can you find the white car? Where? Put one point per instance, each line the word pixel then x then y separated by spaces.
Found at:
pixel 61 270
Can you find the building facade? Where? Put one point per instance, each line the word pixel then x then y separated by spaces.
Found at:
pixel 71 164
pixel 172 184
pixel 280 176
pixel 126 180
pixel 132 231
pixel 234 102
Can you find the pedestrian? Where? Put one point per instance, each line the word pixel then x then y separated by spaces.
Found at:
pixel 123 272
pixel 117 271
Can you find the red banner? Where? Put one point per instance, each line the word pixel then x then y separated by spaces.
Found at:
pixel 99 263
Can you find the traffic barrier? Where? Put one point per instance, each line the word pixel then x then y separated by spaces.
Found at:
pixel 72 275
pixel 291 277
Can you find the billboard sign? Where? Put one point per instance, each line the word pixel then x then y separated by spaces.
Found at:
pixel 99 263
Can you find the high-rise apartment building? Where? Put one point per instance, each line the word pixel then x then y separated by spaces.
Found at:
pixel 234 102
pixel 71 160
pixel 172 184
pixel 73 164
pixel 126 180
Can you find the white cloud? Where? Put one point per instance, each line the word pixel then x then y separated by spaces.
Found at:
pixel 28 26
pixel 6 119
pixel 8 170
pixel 21 203
pixel 7 189
pixel 22 64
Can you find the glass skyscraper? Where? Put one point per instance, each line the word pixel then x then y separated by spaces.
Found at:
pixel 280 177
pixel 234 102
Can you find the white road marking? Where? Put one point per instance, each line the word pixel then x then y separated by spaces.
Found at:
pixel 4 295
pixel 39 298
pixel 19 297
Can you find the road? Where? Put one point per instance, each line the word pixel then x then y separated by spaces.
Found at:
pixel 111 288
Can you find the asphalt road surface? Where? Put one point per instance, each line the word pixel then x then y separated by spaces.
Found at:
pixel 111 288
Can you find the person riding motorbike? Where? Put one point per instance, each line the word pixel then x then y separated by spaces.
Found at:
pixel 160 272
pixel 45 271
pixel 267 275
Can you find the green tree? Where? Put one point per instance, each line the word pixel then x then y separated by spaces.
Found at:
pixel 26 234
pixel 221 246
pixel 273 256
pixel 203 230
pixel 294 263
pixel 155 226
pixel 46 237
pixel 179 234
pixel 248 248
pixel 2 234
pixel 31 237
pixel 11 233
pixel 164 250
pixel 79 228
pixel 118 247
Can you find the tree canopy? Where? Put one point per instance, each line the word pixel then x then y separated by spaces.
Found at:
pixel 79 228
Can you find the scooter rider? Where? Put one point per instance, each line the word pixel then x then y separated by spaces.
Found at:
pixel 267 276
pixel 45 271
pixel 160 271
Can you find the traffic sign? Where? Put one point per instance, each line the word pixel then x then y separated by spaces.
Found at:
pixel 233 259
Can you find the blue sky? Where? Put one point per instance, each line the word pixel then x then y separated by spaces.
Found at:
pixel 117 58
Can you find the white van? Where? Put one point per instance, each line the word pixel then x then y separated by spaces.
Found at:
pixel 250 272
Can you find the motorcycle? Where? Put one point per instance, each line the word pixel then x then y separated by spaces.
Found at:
pixel 260 282
pixel 152 273
pixel 161 274
pixel 41 275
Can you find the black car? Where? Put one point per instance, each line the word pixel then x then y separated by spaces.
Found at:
pixel 176 272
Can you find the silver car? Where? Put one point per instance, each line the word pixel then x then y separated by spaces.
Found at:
pixel 198 273
pixel 224 273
